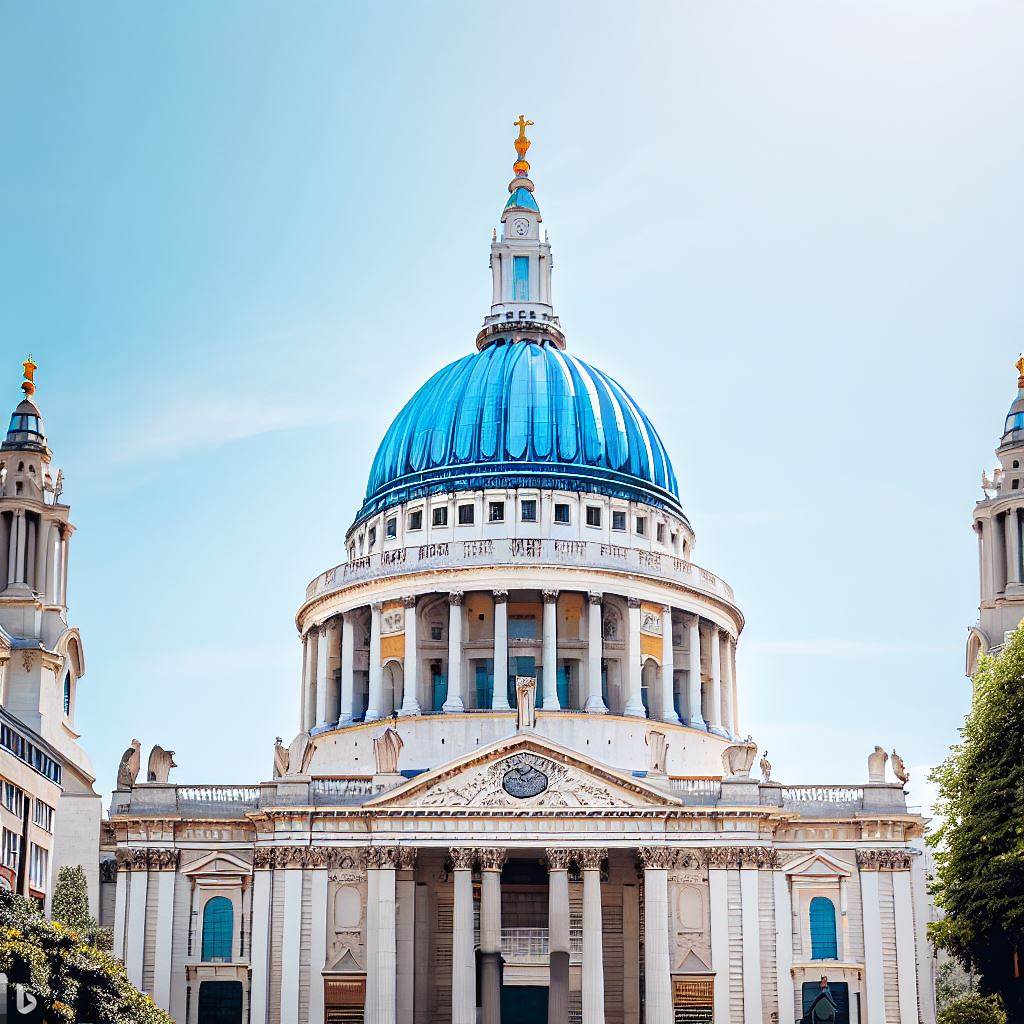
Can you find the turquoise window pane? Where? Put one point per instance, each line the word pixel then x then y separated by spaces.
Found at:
pixel 824 945
pixel 220 1002
pixel 218 924
pixel 484 683
pixel 521 278
pixel 439 688
pixel 563 681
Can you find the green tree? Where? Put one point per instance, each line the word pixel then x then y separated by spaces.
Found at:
pixel 972 1009
pixel 70 906
pixel 979 847
pixel 72 978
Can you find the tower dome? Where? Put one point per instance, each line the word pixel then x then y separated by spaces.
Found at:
pixel 521 414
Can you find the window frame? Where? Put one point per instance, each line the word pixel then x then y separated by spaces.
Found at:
pixel 567 521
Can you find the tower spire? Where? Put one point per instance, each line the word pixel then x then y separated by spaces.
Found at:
pixel 522 144
pixel 28 385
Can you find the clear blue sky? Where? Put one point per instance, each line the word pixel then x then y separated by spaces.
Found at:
pixel 238 236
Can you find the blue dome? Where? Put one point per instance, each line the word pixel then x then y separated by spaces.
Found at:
pixel 521 415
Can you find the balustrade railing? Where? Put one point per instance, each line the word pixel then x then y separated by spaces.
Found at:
pixel 530 945
pixel 697 791
pixel 803 796
pixel 516 551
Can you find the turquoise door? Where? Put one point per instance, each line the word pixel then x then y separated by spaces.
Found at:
pixel 563 682
pixel 484 683
pixel 524 1004
pixel 522 666
pixel 440 690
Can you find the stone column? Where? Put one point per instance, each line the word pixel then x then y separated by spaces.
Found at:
pixel 558 934
pixel 718 885
pixel 291 939
pixel 550 650
pixel 51 546
pixel 595 642
pixel 728 722
pixel 785 992
pixel 453 702
pixel 1012 548
pixel 906 959
pixel 348 679
pixel 64 559
pixel 42 540
pixel 715 711
pixel 874 977
pixel 634 702
pixel 749 872
pixel 696 717
pixel 259 985
pixel 309 710
pixel 499 697
pixel 322 651
pixel 730 651
pixel 593 942
pixel 405 936
pixel 381 950
pixel 491 863
pixel 135 933
pixel 166 863
pixel 30 554
pixel 318 900
pixel 668 669
pixel 656 862
pixel 374 706
pixel 19 572
pixel 410 666
pixel 120 909
pixel 463 958
pixel 12 551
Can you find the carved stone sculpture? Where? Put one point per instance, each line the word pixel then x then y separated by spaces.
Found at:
pixel 128 769
pixel 280 758
pixel 526 702
pixel 738 758
pixel 766 767
pixel 899 768
pixel 657 743
pixel 386 748
pixel 876 765
pixel 160 764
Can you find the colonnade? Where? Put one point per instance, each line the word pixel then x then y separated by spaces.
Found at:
pixel 707 700
pixel 34 553
pixel 1000 553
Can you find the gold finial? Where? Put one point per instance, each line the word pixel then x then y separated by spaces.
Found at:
pixel 522 144
pixel 1020 371
pixel 28 385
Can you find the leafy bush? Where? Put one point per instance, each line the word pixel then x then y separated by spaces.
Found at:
pixel 972 1009
pixel 72 978
pixel 70 908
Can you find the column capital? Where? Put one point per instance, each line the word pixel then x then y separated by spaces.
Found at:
pixel 559 859
pixel 409 601
pixel 406 858
pixel 455 598
pixel 595 598
pixel 743 857
pixel 633 602
pixel 462 857
pixel 323 629
pixel 591 858
pixel 375 606
pixel 656 857
pixel 549 596
pixel 500 596
pixel 884 860
pixel 381 858
pixel 666 609
pixel 492 858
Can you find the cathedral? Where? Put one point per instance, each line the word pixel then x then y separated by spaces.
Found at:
pixel 522 787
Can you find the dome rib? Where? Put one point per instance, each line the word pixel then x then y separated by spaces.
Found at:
pixel 521 415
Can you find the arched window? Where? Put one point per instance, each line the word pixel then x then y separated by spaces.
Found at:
pixel 67 694
pixel 218 924
pixel 823 929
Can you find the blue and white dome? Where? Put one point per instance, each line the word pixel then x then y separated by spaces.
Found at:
pixel 521 415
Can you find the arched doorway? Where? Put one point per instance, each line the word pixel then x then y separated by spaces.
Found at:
pixel 393 687
pixel 649 685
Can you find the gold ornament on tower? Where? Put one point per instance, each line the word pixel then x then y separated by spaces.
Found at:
pixel 522 144
pixel 28 385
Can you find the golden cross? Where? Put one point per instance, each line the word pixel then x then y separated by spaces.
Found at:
pixel 521 124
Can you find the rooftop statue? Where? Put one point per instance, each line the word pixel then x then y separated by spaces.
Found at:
pixel 128 769
pixel 160 764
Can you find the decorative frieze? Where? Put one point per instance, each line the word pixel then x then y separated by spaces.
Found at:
pixel 147 859
pixel 268 857
pixel 743 857
pixel 884 860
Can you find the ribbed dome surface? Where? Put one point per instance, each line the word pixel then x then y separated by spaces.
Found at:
pixel 521 415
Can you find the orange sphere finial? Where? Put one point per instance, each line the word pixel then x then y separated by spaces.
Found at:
pixel 1020 371
pixel 522 144
pixel 28 385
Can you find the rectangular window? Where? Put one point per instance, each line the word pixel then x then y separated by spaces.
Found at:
pixel 42 815
pixel 522 627
pixel 529 509
pixel 561 513
pixel 440 517
pixel 14 799
pixel 593 515
pixel 38 867
pixel 521 278
pixel 391 528
pixel 11 846
pixel 641 526
pixel 496 512
pixel 618 521
pixel 416 519
pixel 466 515
pixel 660 533
pixel 437 632
pixel 372 538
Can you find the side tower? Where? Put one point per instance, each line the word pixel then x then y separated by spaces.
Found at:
pixel 50 812
pixel 997 522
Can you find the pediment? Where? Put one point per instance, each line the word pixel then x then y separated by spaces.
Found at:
pixel 218 863
pixel 345 964
pixel 524 772
pixel 693 964
pixel 818 865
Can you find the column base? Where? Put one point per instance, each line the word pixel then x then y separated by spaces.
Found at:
pixel 404 712
pixel 372 716
pixel 635 710
pixel 344 720
pixel 717 730
pixel 595 706
pixel 502 706
pixel 455 707
pixel 671 719
pixel 696 723
pixel 321 727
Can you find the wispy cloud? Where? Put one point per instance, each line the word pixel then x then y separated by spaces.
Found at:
pixel 842 647
pixel 187 425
